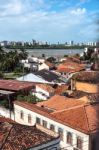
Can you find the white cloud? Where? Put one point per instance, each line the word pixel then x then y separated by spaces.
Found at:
pixel 27 19
pixel 78 11
pixel 81 2
pixel 14 7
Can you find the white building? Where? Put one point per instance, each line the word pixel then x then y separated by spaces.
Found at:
pixel 43 66
pixel 4 43
pixel 75 125
pixel 71 43
pixel 43 91
pixel 46 65
pixel 36 64
pixel 93 43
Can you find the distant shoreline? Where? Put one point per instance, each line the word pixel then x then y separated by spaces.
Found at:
pixel 49 48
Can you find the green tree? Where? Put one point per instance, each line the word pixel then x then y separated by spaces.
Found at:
pixel 1 74
pixel 23 54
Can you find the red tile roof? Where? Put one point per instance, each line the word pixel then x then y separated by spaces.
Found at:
pixel 21 137
pixel 46 87
pixel 61 89
pixel 70 66
pixel 3 119
pixel 88 76
pixel 32 107
pixel 58 102
pixel 83 118
pixel 15 85
pixel 72 59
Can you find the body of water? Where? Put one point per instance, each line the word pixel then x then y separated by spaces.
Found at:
pixel 54 52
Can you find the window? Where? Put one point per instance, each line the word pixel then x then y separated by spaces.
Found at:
pixel 38 121
pixel 29 118
pixel 79 142
pixel 52 127
pixel 21 115
pixel 44 124
pixel 69 138
pixel 60 131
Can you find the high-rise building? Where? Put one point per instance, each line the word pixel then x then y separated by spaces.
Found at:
pixel 71 43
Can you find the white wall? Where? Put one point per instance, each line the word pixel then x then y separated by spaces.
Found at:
pixel 38 89
pixel 66 129
pixel 42 94
pixel 6 113
pixel 27 65
pixel 43 66
pixel 41 60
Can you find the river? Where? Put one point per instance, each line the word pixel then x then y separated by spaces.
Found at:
pixel 54 52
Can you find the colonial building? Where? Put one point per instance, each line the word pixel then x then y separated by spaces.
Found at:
pixel 75 121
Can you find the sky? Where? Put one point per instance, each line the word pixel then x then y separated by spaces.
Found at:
pixel 49 20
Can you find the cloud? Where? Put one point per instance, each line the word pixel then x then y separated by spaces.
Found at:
pixel 82 2
pixel 14 7
pixel 27 19
pixel 78 11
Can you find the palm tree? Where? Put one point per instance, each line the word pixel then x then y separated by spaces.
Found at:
pixel 9 61
pixel 1 54
pixel 23 54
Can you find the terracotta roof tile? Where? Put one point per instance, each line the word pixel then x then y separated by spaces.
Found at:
pixel 88 76
pixel 72 59
pixel 58 102
pixel 70 67
pixel 32 107
pixel 15 85
pixel 3 119
pixel 46 87
pixel 84 118
pixel 76 118
pixel 61 89
pixel 25 137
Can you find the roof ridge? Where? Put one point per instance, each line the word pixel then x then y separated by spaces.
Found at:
pixel 66 109
pixel 86 117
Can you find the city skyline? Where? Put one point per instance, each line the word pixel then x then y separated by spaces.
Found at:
pixel 50 21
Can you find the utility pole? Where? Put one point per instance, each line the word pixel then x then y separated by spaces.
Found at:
pixel 9 106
